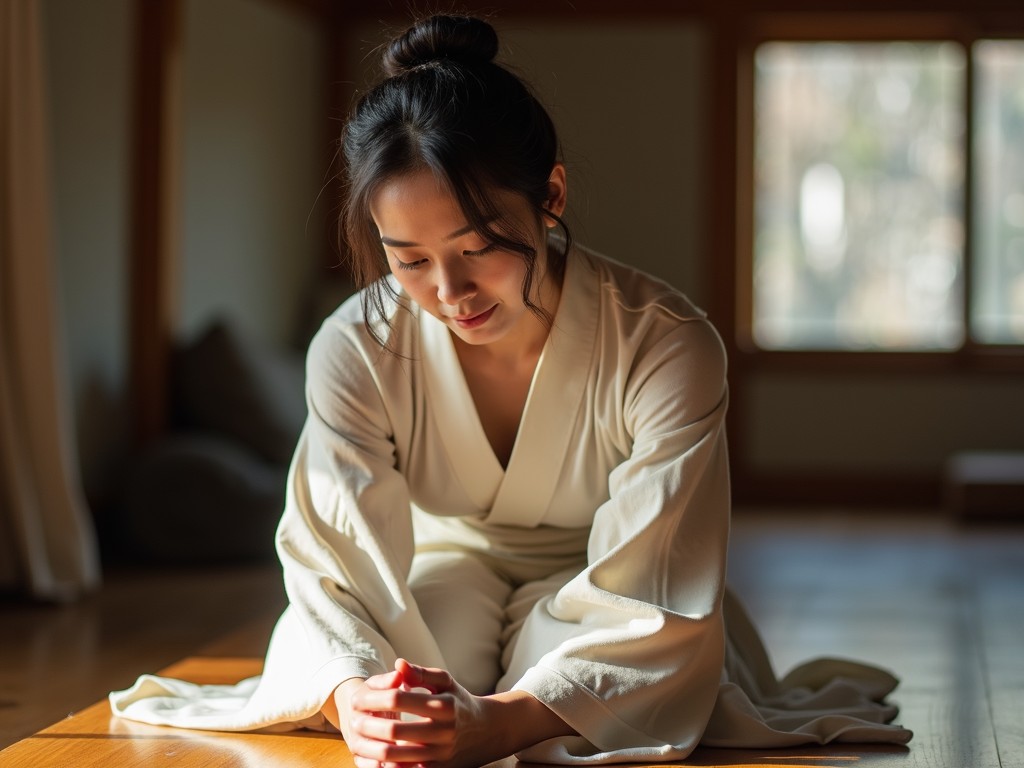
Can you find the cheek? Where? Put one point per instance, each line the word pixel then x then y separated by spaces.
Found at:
pixel 407 279
pixel 510 273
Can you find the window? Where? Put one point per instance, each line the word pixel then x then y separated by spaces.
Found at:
pixel 997 306
pixel 888 195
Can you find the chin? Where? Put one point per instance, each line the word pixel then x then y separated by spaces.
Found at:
pixel 475 339
pixel 479 336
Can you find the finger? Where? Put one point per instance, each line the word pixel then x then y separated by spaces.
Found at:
pixel 382 695
pixel 366 752
pixel 415 676
pixel 369 762
pixel 366 762
pixel 384 681
pixel 403 753
pixel 438 708
pixel 421 730
pixel 395 702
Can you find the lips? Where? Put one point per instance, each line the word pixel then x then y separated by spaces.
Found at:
pixel 474 321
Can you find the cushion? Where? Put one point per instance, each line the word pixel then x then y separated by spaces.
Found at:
pixel 228 383
pixel 194 498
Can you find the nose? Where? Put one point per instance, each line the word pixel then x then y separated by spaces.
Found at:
pixel 454 285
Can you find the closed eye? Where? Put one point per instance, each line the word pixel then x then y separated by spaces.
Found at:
pixel 409 264
pixel 490 248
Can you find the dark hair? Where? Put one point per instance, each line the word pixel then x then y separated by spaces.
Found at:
pixel 445 105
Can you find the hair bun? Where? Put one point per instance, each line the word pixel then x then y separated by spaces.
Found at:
pixel 464 39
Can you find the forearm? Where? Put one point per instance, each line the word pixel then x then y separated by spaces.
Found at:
pixel 518 720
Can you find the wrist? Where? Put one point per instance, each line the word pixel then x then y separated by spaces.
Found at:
pixel 336 707
pixel 525 720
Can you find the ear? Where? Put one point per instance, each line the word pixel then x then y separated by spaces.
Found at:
pixel 557 191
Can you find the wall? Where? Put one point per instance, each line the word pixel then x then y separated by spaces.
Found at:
pixel 255 151
pixel 876 423
pixel 88 58
pixel 627 101
pixel 864 436
pixel 255 155
pixel 632 137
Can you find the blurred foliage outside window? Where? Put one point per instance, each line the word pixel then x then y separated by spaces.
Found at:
pixel 860 178
pixel 997 307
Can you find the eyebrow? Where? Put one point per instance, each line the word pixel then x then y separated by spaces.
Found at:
pixel 405 244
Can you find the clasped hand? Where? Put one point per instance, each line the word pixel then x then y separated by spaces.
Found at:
pixel 415 715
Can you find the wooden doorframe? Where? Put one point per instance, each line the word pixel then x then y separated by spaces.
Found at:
pixel 156 188
pixel 155 214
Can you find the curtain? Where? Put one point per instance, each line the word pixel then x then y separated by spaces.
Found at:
pixel 47 542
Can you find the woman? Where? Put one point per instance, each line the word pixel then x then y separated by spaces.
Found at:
pixel 507 515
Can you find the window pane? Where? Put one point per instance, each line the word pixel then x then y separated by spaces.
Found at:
pixel 997 314
pixel 859 180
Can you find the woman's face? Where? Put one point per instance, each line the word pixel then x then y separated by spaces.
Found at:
pixel 449 270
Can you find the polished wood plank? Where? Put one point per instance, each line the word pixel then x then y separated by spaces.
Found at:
pixel 1001 615
pixel 58 659
pixel 95 738
pixel 941 605
pixel 1008 713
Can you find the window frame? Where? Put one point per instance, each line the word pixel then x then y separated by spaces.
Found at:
pixel 962 29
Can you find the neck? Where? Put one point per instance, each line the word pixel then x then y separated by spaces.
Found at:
pixel 510 353
pixel 523 345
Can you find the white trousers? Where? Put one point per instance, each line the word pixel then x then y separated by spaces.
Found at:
pixel 475 611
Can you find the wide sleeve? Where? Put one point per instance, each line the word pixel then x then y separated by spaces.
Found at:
pixel 345 543
pixel 345 540
pixel 630 652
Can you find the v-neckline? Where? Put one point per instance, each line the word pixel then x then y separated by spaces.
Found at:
pixel 454 411
pixel 546 424
pixel 515 395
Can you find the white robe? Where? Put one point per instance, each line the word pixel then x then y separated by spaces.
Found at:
pixel 619 471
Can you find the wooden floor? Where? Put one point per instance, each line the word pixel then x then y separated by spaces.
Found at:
pixel 55 660
pixel 941 606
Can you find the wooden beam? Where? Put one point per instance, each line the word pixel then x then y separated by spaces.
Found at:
pixel 999 12
pixel 155 206
pixel 805 487
pixel 318 10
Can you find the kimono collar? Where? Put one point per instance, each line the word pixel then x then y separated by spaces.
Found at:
pixel 520 494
